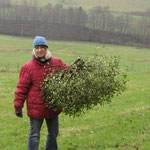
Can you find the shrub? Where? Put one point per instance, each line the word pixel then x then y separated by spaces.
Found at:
pixel 86 83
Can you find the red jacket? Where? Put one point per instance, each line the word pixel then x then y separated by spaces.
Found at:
pixel 28 87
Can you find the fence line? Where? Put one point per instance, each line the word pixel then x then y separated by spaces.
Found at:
pixel 8 68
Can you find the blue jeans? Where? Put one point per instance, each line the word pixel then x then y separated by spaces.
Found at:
pixel 34 134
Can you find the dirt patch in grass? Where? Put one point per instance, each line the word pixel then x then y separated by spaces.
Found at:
pixel 73 130
pixel 9 71
pixel 134 60
pixel 136 109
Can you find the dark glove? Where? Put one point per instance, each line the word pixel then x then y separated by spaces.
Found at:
pixel 18 112
pixel 79 63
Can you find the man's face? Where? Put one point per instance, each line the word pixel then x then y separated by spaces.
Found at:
pixel 40 51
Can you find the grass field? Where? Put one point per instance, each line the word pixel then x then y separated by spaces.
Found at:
pixel 121 125
pixel 117 5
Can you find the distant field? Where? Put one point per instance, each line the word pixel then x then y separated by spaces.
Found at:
pixel 16 51
pixel 121 125
pixel 117 5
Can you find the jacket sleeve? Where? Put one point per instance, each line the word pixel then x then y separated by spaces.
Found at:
pixel 63 65
pixel 23 87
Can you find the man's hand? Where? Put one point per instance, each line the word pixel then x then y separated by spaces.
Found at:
pixel 79 63
pixel 18 113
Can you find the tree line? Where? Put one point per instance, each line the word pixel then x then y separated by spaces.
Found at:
pixel 58 23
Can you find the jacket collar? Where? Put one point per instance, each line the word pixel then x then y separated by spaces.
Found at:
pixel 41 62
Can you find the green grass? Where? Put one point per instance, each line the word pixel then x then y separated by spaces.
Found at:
pixel 121 125
pixel 117 5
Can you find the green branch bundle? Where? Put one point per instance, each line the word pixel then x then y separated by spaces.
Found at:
pixel 86 83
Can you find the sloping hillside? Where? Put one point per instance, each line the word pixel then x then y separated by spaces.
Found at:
pixel 115 5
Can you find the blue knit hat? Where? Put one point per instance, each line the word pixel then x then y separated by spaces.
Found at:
pixel 39 40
